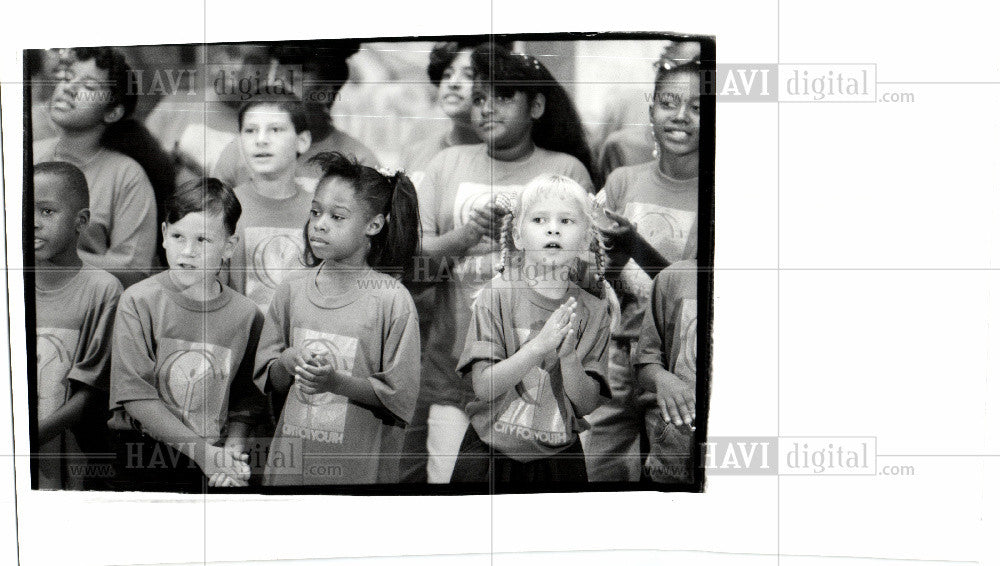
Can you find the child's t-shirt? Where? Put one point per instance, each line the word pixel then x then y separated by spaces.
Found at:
pixel 458 180
pixel 195 356
pixel 271 242
pixel 370 332
pixel 664 211
pixel 73 340
pixel 233 169
pixel 536 419
pixel 122 208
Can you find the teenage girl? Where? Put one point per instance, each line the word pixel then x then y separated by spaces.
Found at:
pixel 653 207
pixel 342 338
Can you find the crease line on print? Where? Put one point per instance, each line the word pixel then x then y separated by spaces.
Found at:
pixel 583 557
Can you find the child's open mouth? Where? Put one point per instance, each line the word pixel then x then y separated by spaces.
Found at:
pixel 553 246
pixel 188 266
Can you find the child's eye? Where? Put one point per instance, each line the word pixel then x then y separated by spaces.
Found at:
pixel 537 219
pixel 203 239
pixel 568 221
pixel 46 211
pixel 478 100
pixel 314 213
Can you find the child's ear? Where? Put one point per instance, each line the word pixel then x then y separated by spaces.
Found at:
pixel 230 247
pixel 163 231
pixel 115 114
pixel 537 106
pixel 515 235
pixel 303 141
pixel 82 219
pixel 375 225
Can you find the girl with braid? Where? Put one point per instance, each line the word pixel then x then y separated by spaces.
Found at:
pixel 536 353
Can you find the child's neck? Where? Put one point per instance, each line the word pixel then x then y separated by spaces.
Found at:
pixel 55 272
pixel 78 146
pixel 551 281
pixel 339 277
pixel 280 185
pixel 462 133
pixel 520 150
pixel 679 167
pixel 203 291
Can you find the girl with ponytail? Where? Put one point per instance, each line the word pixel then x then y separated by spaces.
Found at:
pixel 341 339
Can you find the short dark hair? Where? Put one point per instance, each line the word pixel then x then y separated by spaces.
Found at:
pixel 74 181
pixel 288 102
pixel 113 61
pixel 444 52
pixel 208 195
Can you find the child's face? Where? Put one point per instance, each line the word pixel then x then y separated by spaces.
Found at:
pixel 339 223
pixel 455 90
pixel 80 100
pixel 503 121
pixel 196 245
pixel 58 219
pixel 552 231
pixel 675 113
pixel 270 143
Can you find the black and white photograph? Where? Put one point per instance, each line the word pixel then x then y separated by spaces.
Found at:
pixel 251 272
pixel 499 282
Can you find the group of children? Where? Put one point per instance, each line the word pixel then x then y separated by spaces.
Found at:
pixel 313 319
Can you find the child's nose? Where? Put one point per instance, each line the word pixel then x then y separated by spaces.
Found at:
pixel 683 113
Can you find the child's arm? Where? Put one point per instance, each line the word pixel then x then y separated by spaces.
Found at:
pixel 674 396
pixel 626 242
pixel 461 239
pixel 83 400
pixel 492 379
pixel 583 390
pixel 247 405
pixel 276 360
pixel 161 424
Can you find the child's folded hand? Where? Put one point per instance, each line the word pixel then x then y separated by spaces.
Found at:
pixel 222 480
pixel 556 328
pixel 221 461
pixel 675 398
pixel 318 376
pixel 293 357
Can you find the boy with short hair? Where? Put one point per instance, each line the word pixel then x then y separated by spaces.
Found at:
pixel 182 393
pixel 74 311
pixel 273 133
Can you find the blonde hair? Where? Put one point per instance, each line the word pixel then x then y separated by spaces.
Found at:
pixel 542 187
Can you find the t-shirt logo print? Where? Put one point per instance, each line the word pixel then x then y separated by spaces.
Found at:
pixel 533 412
pixel 55 348
pixel 320 416
pixel 271 254
pixel 192 378
pixel 666 229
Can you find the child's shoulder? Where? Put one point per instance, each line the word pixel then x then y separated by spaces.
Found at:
pixel 102 282
pixel 459 153
pixel 240 303
pixel 628 173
